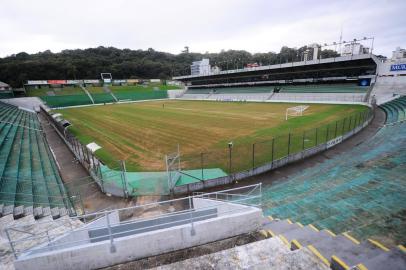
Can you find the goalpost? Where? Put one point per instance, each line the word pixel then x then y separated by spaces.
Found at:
pixel 173 168
pixel 295 111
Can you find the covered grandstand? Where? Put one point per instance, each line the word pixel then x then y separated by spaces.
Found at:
pixel 345 79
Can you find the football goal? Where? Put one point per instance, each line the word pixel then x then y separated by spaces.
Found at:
pixel 295 111
pixel 173 168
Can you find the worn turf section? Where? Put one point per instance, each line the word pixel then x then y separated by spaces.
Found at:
pixel 143 133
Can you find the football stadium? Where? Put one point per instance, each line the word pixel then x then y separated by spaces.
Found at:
pixel 296 165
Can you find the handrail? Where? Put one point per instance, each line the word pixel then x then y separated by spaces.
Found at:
pixel 243 201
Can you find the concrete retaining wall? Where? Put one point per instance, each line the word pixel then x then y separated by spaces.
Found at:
pixel 129 248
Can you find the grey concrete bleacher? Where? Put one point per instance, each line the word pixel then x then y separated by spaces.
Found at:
pixel 320 97
pixel 30 226
pixel 388 88
pixel 335 93
pixel 270 254
pixel 336 251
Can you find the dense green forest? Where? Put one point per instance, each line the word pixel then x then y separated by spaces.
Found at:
pixel 126 63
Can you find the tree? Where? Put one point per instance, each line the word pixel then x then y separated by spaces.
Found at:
pixel 126 63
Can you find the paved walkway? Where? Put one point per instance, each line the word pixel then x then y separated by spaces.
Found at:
pixel 75 176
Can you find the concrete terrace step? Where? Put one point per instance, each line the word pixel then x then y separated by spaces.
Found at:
pixel 266 254
pixel 336 251
pixel 281 226
pixel 347 251
pixel 307 235
pixel 7 210
pixel 394 259
pixel 39 227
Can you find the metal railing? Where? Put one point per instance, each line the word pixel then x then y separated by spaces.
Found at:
pixel 157 215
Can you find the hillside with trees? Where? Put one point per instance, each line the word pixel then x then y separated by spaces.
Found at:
pixel 126 63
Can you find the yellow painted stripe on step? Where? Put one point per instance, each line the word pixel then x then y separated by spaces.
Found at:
pixel 271 233
pixel 349 237
pixel 270 218
pixel 330 233
pixel 284 240
pixel 289 221
pixel 313 227
pixel 318 254
pixel 361 267
pixel 376 243
pixel 264 233
pixel 295 245
pixel 300 224
pixel 402 248
pixel 337 261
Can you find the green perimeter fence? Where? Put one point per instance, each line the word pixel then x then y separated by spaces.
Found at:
pixel 237 158
pixel 232 162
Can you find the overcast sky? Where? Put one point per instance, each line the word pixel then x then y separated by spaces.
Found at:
pixel 208 25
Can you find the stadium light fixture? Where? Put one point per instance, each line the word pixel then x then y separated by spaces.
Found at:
pixel 230 147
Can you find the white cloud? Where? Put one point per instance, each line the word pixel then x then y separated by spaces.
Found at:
pixel 210 25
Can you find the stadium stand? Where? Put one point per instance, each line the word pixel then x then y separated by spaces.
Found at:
pixel 42 226
pixel 324 88
pixel 309 92
pixel 66 100
pixel 342 251
pixel 76 96
pixel 29 179
pixel 319 97
pixel 6 94
pixel 388 88
pixel 361 190
pixel 395 110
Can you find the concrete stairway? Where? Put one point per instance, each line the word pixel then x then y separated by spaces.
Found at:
pixel 45 226
pixel 270 254
pixel 87 93
pixel 106 89
pixel 336 251
pixel 37 212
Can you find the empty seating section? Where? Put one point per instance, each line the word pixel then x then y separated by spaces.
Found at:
pixel 76 96
pixel 4 94
pixel 253 89
pixel 230 93
pixel 48 91
pixel 103 98
pixel 28 172
pixel 66 100
pixel 361 190
pixel 324 88
pixel 310 92
pixel 395 110
pixel 139 95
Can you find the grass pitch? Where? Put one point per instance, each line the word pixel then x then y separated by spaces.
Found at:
pixel 143 133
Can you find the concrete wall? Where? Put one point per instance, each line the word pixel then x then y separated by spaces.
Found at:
pixel 175 93
pixel 223 208
pixel 97 255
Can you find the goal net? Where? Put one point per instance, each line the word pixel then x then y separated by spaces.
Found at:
pixel 173 168
pixel 296 111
